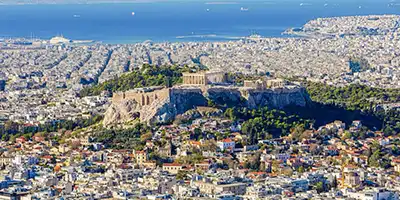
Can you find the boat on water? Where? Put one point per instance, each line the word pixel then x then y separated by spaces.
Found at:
pixel 244 9
pixel 254 36
pixel 305 4
pixel 76 16
pixel 133 13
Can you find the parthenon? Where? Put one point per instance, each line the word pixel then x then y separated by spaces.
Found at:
pixel 194 79
pixel 204 78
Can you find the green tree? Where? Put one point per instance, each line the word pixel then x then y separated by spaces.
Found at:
pixel 347 135
pixel 230 113
pixel 182 175
pixel 374 159
pixel 297 132
pixel 300 169
pixel 320 187
pixel 334 182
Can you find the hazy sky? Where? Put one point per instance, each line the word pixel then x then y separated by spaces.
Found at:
pixel 8 2
pixel 99 1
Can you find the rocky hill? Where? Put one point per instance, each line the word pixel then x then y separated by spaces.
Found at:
pixel 178 100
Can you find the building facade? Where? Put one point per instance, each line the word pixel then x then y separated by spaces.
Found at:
pixel 172 168
pixel 140 157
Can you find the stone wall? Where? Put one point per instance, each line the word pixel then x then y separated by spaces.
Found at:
pixel 143 98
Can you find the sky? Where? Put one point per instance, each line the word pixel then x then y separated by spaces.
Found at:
pixel 138 1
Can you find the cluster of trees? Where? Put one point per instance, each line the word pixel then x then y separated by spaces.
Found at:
pixel 131 138
pixel 360 98
pixel 325 186
pixel 377 157
pixel 264 123
pixel 190 159
pixel 391 120
pixel 362 134
pixel 147 75
pixel 352 97
pixel 12 130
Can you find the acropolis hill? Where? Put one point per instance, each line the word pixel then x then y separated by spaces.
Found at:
pixel 160 104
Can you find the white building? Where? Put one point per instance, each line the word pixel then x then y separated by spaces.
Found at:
pixel 226 144
pixel 59 40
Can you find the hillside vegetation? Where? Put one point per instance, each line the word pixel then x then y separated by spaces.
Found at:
pixel 361 100
pixel 147 75
pixel 352 97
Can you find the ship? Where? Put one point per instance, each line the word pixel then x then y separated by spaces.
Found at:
pixel 60 40
pixel 254 36
pixel 244 9
pixel 305 4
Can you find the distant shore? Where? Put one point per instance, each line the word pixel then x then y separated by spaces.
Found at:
pixel 193 20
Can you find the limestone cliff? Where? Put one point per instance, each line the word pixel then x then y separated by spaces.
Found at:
pixel 180 101
pixel 278 98
pixel 121 112
pixel 157 108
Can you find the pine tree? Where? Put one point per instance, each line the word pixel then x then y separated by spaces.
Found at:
pixel 334 182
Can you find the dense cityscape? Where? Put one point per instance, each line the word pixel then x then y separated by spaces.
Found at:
pixel 313 116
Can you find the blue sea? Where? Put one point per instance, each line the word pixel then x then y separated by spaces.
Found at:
pixel 178 20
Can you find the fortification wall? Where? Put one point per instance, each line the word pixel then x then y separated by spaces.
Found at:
pixel 142 98
pixel 118 97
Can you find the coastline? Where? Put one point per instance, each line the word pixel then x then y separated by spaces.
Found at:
pixel 290 32
pixel 193 21
pixel 177 39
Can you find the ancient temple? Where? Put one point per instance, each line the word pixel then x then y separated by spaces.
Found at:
pixel 204 78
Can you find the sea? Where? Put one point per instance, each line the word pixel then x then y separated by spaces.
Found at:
pixel 176 21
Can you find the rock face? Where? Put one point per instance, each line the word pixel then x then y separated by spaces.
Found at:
pixel 178 100
pixel 278 98
pixel 121 112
